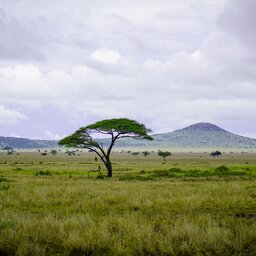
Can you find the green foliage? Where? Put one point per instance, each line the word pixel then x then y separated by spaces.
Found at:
pixel 138 177
pixel 4 187
pixel 164 154
pixel 145 153
pixel 221 171
pixel 43 173
pixel 18 169
pixel 3 179
pixel 54 152
pixel 222 168
pixel 121 125
pixel 135 153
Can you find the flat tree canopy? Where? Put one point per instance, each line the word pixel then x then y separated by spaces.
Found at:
pixel 216 153
pixel 164 154
pixel 115 128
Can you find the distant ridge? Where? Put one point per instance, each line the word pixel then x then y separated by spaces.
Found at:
pixel 199 135
pixel 203 126
pixel 26 143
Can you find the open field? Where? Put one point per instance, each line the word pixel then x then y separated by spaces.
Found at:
pixel 193 205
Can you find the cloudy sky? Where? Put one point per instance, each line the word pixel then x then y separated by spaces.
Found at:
pixel 167 63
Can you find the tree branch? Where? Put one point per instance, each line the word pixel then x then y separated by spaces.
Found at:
pixel 98 170
pixel 102 132
pixel 95 151
pixel 114 138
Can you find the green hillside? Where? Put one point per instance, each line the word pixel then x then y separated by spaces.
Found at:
pixel 200 135
pixel 26 143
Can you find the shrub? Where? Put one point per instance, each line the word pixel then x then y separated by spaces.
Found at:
pixel 222 168
pixel 4 187
pixel 18 169
pixel 43 173
pixel 3 179
pixel 54 152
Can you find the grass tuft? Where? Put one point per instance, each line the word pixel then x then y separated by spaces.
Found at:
pixel 43 173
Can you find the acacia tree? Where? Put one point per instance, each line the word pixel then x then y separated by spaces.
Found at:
pixel 54 152
pixel 216 153
pixel 9 150
pixel 164 154
pixel 145 153
pixel 115 128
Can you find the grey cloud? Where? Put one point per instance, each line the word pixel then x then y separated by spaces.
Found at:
pixel 239 20
pixel 175 68
pixel 18 40
pixel 69 32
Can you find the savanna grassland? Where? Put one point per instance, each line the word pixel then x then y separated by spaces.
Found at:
pixel 193 205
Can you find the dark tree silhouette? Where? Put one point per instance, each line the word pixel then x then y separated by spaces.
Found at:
pixel 216 153
pixel 71 152
pixel 115 128
pixel 54 152
pixel 145 153
pixel 9 150
pixel 164 154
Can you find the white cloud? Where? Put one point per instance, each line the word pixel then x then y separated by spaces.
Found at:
pixel 107 56
pixel 179 63
pixel 9 116
pixel 53 136
pixel 23 81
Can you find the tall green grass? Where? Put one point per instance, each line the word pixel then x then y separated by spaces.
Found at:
pixel 204 209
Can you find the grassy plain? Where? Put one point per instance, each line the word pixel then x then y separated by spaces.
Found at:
pixel 193 205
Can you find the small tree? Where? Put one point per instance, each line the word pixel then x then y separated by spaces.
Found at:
pixel 54 152
pixel 164 154
pixel 216 153
pixel 71 152
pixel 145 153
pixel 115 128
pixel 9 150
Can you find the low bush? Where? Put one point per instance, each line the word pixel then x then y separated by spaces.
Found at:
pixel 4 187
pixel 43 173
pixel 3 179
pixel 220 171
pixel 18 169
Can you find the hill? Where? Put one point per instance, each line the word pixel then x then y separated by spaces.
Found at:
pixel 26 143
pixel 199 135
pixel 205 135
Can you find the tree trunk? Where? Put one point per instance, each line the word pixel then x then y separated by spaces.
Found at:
pixel 109 168
pixel 164 161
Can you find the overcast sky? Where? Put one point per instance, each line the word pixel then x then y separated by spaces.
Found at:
pixel 167 63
